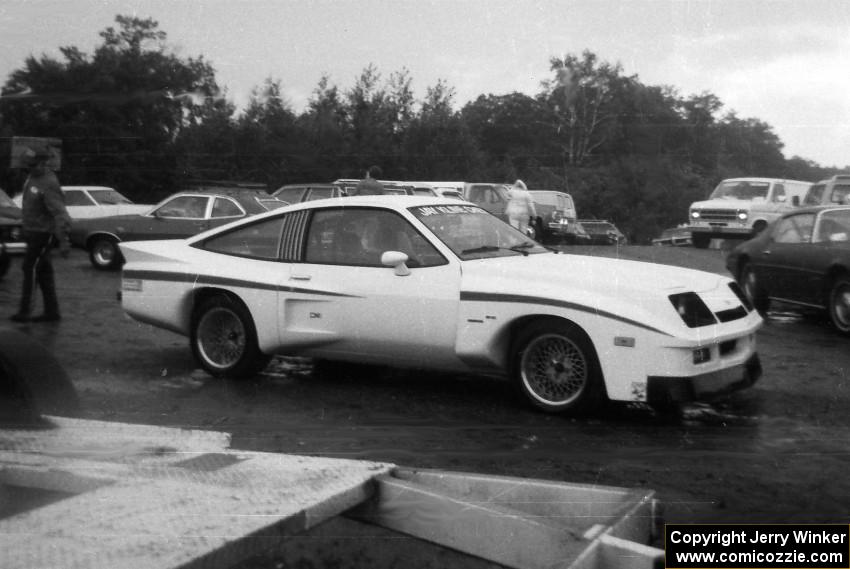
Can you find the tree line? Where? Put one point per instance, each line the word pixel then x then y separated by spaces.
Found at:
pixel 135 116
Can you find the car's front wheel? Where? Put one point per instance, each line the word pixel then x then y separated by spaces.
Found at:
pixel 753 289
pixel 104 253
pixel 556 369
pixel 839 304
pixel 224 339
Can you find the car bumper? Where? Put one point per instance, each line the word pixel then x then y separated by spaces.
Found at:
pixel 719 232
pixel 664 391
pixel 15 247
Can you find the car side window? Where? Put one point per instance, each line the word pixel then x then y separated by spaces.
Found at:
pixel 795 229
pixel 260 240
pixel 291 195
pixel 779 193
pixel 360 236
pixel 226 207
pixel 833 226
pixel 77 197
pixel 320 194
pixel 190 207
pixel 840 195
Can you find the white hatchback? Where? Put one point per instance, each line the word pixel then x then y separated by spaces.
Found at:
pixel 439 284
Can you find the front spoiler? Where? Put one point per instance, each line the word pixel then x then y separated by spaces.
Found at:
pixel 664 391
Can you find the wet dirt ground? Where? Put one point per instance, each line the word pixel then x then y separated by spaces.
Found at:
pixel 775 453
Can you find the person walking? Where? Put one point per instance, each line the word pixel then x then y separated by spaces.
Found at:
pixel 370 186
pixel 520 206
pixel 45 222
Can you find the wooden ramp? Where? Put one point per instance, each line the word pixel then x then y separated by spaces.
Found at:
pixel 87 494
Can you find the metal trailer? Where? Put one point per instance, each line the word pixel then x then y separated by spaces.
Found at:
pixel 82 494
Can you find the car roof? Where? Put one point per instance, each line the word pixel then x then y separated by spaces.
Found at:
pixel 758 179
pixel 815 209
pixel 395 202
pixel 88 188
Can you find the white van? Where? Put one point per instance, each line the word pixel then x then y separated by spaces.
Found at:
pixel 738 208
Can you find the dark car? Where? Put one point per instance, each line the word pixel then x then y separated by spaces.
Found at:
pixel 11 237
pixel 602 232
pixel 297 193
pixel 803 258
pixel 556 218
pixel 178 216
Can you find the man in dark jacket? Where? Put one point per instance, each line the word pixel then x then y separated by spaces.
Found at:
pixel 370 186
pixel 45 222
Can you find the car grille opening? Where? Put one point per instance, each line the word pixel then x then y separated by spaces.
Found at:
pixel 732 314
pixel 727 347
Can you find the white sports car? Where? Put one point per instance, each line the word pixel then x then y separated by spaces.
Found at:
pixel 439 284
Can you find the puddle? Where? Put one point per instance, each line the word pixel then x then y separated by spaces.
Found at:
pixel 784 316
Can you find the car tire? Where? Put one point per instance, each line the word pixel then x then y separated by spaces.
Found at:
pixel 839 304
pixel 104 253
pixel 224 339
pixel 32 382
pixel 5 261
pixel 556 369
pixel 700 240
pixel 753 289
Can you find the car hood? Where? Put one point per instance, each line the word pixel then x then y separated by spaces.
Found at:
pixel 724 203
pixel 634 290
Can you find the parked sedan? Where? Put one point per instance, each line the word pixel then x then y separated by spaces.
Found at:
pixel 84 202
pixel 803 258
pixel 602 232
pixel 436 284
pixel 11 237
pixel 178 216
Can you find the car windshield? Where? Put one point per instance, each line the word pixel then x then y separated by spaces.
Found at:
pixel 472 233
pixel 739 190
pixel 108 196
pixel 545 199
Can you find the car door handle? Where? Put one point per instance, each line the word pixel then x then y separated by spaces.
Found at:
pixel 300 277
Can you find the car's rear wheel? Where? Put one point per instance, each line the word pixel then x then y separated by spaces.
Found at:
pixel 104 253
pixel 5 261
pixel 700 240
pixel 224 339
pixel 753 289
pixel 839 304
pixel 556 369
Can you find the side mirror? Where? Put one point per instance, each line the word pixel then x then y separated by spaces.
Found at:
pixel 396 259
pixel 795 201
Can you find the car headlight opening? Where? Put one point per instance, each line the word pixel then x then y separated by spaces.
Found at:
pixel 692 309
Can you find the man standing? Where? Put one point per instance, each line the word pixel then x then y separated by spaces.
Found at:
pixel 370 186
pixel 520 206
pixel 45 222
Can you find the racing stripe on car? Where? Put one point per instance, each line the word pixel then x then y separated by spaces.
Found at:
pixel 166 276
pixel 499 297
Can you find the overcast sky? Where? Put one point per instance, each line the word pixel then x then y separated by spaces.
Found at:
pixel 783 62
